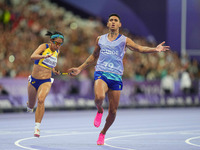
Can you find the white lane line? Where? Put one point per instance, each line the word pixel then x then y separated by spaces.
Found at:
pixel 20 140
pixel 188 141
pixel 143 134
pixel 17 143
pixel 116 137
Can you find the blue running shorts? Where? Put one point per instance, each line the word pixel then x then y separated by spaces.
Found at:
pixel 112 84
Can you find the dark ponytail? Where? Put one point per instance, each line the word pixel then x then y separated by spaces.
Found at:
pixel 55 34
pixel 49 33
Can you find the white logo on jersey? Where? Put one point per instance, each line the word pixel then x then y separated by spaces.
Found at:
pixel 109 52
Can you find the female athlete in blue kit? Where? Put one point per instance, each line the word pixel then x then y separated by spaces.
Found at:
pixel 109 51
pixel 40 80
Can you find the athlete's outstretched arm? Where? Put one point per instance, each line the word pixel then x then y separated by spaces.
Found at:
pixel 144 49
pixel 89 61
pixel 36 54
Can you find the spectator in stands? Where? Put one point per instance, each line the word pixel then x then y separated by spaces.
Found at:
pixel 31 19
pixel 3 91
pixel 185 82
pixel 167 83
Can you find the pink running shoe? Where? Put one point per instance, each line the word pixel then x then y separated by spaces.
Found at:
pixel 97 119
pixel 101 138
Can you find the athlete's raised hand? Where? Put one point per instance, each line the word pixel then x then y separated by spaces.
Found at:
pixel 161 48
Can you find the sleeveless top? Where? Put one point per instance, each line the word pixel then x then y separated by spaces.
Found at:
pixel 111 54
pixel 49 62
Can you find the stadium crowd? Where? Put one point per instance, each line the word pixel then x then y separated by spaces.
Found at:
pixel 23 24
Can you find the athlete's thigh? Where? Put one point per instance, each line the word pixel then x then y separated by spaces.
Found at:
pixel 114 97
pixel 43 90
pixel 32 93
pixel 100 87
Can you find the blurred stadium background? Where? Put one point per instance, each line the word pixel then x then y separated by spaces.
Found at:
pixel 150 80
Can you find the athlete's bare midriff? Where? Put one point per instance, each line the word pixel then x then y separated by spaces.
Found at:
pixel 40 72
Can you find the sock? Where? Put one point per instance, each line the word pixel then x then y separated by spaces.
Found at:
pixel 37 125
pixel 29 109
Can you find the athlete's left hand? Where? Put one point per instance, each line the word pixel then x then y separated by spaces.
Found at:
pixel 161 48
pixel 56 72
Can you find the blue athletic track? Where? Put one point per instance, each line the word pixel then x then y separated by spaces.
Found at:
pixel 133 129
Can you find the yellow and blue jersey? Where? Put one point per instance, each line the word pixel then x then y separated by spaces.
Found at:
pixel 49 62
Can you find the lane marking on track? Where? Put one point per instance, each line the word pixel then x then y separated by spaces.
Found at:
pixel 17 143
pixel 188 141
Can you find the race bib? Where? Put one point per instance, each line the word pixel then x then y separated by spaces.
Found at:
pixel 50 62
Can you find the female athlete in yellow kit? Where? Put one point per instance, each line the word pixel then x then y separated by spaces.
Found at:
pixel 40 80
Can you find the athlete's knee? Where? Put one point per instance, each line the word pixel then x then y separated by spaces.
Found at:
pixel 99 98
pixel 41 100
pixel 113 112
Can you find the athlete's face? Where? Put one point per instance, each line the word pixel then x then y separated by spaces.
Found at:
pixel 56 43
pixel 113 23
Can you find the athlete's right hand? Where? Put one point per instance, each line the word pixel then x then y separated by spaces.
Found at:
pixel 73 71
pixel 46 56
